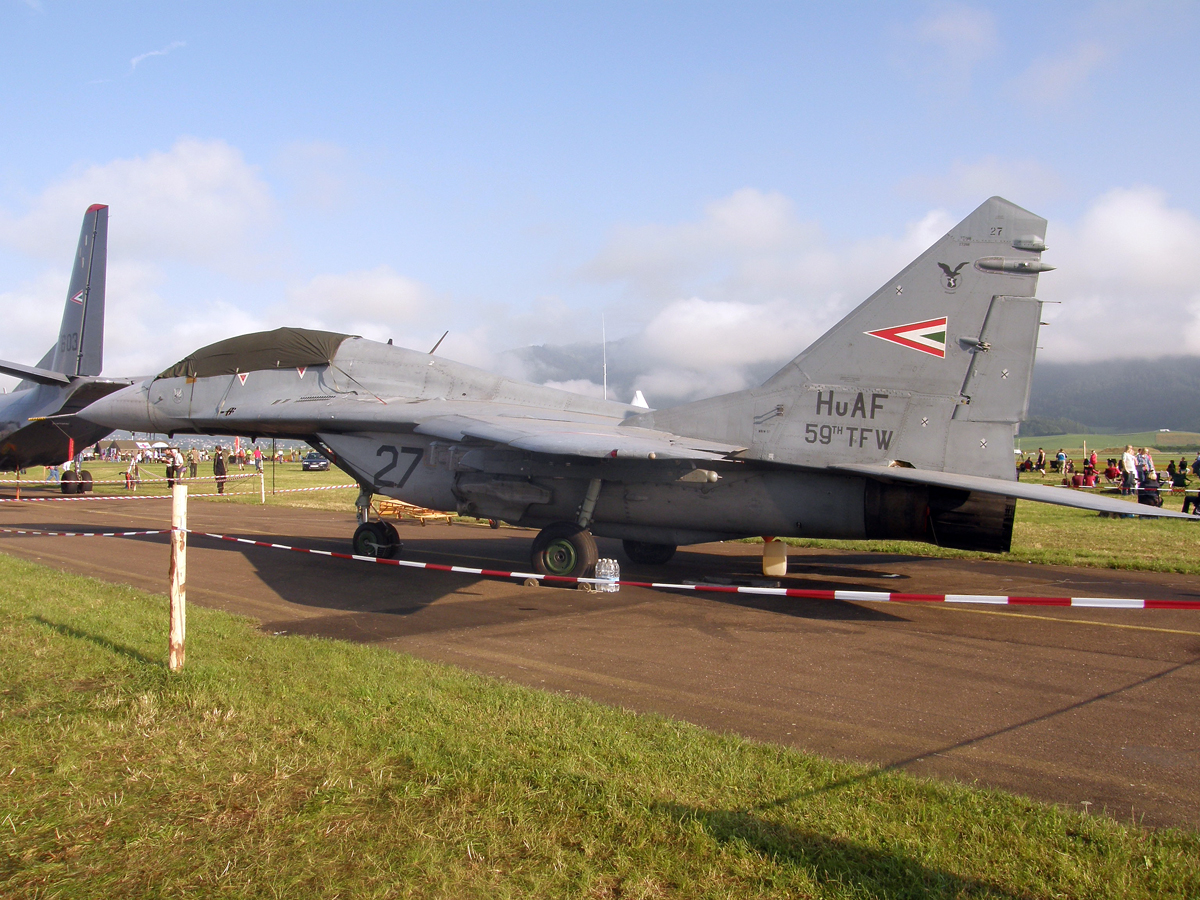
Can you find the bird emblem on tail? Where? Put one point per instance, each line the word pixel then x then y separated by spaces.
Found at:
pixel 950 276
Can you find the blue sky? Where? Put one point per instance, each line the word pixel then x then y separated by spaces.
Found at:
pixel 720 181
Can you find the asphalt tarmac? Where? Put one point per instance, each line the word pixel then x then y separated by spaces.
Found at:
pixel 1096 710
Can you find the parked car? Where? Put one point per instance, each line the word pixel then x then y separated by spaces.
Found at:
pixel 314 462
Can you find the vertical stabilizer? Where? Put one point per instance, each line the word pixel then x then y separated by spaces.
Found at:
pixel 930 371
pixel 80 347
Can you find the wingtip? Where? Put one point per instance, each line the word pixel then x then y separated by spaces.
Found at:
pixel 96 206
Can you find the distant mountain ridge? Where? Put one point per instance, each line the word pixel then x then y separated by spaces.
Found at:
pixel 1116 396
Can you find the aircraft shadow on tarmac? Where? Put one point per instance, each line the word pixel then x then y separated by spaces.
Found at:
pixel 827 859
pixel 373 593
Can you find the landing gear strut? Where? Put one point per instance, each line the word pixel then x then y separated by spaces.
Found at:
pixel 565 548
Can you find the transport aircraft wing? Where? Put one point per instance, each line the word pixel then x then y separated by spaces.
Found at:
pixel 1041 493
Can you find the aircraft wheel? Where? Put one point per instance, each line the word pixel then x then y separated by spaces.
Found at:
pixel 376 539
pixel 648 554
pixel 565 548
pixel 85 482
pixel 70 483
pixel 392 545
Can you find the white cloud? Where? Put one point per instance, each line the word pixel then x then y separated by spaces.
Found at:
pixel 199 202
pixel 377 303
pixel 1128 280
pixel 1055 79
pixel 580 386
pixel 942 49
pixel 174 45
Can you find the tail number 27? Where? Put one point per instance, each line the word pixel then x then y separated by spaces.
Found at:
pixel 395 453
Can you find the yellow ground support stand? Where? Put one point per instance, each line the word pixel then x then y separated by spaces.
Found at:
pixel 396 509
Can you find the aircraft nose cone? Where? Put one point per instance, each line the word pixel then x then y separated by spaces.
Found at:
pixel 124 409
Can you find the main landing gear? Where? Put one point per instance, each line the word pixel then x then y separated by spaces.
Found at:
pixel 73 482
pixel 565 549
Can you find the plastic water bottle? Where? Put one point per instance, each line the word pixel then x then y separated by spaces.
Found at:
pixel 610 570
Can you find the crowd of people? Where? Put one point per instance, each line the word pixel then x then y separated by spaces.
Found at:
pixel 1133 471
pixel 181 466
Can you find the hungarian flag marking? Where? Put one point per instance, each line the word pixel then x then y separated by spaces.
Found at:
pixel 78 298
pixel 928 336
pixel 242 377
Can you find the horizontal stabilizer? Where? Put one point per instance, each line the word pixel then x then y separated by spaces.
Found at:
pixel 1038 492
pixel 33 373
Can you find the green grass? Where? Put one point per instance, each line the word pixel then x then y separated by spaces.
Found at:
pixel 294 767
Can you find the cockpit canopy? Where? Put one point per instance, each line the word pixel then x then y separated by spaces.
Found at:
pixel 283 348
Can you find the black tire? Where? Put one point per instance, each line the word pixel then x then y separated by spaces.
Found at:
pixel 648 554
pixel 69 483
pixel 372 539
pixel 565 548
pixel 392 545
pixel 85 482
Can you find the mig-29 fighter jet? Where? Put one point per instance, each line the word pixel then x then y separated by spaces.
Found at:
pixel 36 425
pixel 897 423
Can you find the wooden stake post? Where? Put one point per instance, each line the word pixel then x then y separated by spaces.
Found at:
pixel 178 575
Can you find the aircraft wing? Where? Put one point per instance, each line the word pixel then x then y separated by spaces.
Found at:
pixel 547 434
pixel 1039 492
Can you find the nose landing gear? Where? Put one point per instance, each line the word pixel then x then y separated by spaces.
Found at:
pixel 378 540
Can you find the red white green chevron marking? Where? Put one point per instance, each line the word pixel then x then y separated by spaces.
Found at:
pixel 928 336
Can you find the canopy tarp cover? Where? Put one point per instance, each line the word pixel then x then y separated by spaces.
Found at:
pixel 283 348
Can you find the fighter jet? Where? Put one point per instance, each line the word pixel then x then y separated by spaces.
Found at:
pixel 897 423
pixel 37 427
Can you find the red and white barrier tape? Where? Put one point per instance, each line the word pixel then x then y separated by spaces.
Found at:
pixel 82 533
pixel 326 487
pixel 140 478
pixel 81 499
pixel 848 596
pixel 851 596
pixel 115 497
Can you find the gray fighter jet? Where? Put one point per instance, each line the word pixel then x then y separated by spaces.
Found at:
pixel 897 423
pixel 37 427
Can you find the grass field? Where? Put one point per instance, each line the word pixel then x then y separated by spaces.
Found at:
pixel 294 767
pixel 1163 443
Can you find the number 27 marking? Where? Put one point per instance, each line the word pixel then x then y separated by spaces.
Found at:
pixel 387 450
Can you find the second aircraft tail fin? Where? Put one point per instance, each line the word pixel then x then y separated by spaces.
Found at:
pixel 80 347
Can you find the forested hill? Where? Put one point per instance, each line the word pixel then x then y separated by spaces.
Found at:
pixel 1118 396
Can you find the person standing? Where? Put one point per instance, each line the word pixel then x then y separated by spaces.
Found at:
pixel 1040 465
pixel 1129 470
pixel 258 459
pixel 219 470
pixel 193 461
